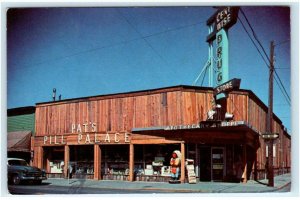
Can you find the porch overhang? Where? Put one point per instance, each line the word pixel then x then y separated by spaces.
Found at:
pixel 18 141
pixel 238 132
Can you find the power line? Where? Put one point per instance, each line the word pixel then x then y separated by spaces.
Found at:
pixel 256 38
pixel 141 36
pixel 84 51
pixel 254 43
pixel 276 74
pixel 280 84
pixel 115 44
pixel 262 57
pixel 174 29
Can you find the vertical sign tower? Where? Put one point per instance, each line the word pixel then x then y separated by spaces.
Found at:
pixel 222 59
pixel 223 19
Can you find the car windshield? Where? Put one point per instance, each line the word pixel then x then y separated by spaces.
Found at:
pixel 18 162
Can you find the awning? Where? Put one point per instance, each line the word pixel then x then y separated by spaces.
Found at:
pixel 19 141
pixel 209 126
pixel 234 132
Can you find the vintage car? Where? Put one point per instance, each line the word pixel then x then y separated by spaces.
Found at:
pixel 18 170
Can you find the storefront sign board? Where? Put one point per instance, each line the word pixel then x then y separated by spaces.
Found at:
pixel 85 138
pixel 199 126
pixel 227 86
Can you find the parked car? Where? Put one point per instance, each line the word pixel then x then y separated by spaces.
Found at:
pixel 19 170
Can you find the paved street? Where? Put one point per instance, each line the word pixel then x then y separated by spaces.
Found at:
pixel 83 186
pixel 52 189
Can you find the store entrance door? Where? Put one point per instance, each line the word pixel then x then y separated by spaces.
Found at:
pixel 217 163
pixel 205 163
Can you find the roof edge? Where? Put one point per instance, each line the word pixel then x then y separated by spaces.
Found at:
pixel 251 94
pixel 138 92
pixel 21 111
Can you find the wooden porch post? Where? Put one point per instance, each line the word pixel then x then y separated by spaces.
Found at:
pixel 244 176
pixel 255 167
pixel 197 162
pixel 182 177
pixel 66 160
pixel 131 162
pixel 48 168
pixel 40 157
pixel 31 151
pixel 97 162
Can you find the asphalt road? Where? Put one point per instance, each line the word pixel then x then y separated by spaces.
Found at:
pixel 51 189
pixel 47 188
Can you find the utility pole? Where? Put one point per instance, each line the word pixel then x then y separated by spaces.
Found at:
pixel 270 119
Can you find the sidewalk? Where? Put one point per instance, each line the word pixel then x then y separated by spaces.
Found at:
pixel 203 187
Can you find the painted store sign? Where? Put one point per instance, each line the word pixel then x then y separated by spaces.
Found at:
pixel 86 133
pixel 88 138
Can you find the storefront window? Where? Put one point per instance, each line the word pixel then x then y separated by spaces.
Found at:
pixel 54 159
pixel 82 160
pixel 152 161
pixel 115 160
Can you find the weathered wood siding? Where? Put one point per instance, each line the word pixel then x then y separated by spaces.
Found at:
pixel 175 106
pixel 258 119
pixel 237 105
pixel 123 114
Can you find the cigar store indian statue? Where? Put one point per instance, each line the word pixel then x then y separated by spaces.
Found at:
pixel 175 166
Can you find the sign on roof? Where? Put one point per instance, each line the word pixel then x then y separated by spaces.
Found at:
pixel 224 18
pixel 228 86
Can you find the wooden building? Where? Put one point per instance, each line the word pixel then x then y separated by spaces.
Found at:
pixel 20 128
pixel 131 136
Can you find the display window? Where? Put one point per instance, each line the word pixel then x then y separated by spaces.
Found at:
pixel 115 162
pixel 81 161
pixel 152 162
pixel 115 159
pixel 54 161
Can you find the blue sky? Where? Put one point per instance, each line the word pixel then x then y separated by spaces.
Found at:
pixel 93 51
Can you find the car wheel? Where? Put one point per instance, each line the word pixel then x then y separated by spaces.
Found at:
pixel 16 180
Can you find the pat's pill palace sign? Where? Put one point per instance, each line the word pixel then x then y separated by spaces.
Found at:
pixel 87 133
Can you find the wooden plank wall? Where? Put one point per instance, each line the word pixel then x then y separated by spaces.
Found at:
pixel 257 118
pixel 37 159
pixel 176 107
pixel 237 104
pixel 123 114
